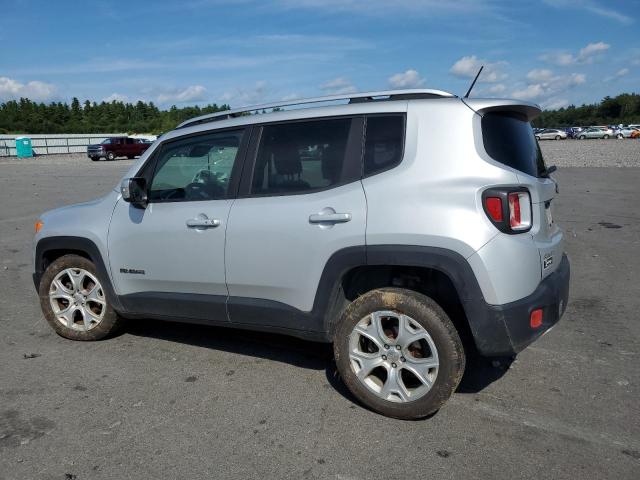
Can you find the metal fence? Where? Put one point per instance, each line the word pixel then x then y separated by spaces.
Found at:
pixel 58 143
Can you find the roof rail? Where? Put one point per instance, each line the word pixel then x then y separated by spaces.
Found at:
pixel 362 97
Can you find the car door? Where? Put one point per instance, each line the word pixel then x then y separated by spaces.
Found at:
pixel 301 200
pixel 168 259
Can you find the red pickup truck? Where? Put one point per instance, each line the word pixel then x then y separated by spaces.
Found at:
pixel 114 147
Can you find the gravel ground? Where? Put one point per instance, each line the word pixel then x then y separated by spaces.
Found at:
pixel 165 400
pixel 592 153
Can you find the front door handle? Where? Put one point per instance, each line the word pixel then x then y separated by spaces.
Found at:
pixel 202 221
pixel 330 218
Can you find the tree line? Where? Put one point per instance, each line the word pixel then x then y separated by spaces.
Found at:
pixel 624 108
pixel 26 116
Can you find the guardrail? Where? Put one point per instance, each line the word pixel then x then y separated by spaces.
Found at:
pixel 58 143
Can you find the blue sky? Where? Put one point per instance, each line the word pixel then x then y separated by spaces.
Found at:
pixel 552 52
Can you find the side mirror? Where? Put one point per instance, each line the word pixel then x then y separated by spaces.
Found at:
pixel 134 191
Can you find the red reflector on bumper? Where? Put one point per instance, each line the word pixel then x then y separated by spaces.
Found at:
pixel 536 318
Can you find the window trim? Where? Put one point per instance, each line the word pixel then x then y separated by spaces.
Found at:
pixel 351 169
pixel 148 170
pixel 402 146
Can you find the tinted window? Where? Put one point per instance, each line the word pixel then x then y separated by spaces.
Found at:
pixel 383 143
pixel 508 139
pixel 301 156
pixel 196 168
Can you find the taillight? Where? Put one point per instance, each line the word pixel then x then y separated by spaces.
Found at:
pixel 494 208
pixel 509 209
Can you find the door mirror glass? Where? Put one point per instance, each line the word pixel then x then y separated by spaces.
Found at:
pixel 134 191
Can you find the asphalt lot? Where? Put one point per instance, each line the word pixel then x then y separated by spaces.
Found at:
pixel 180 401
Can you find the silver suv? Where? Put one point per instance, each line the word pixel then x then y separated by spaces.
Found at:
pixel 409 228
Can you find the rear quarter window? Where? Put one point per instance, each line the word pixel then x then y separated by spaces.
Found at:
pixel 508 138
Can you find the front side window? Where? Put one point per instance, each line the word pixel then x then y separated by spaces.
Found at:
pixel 383 143
pixel 196 168
pixel 300 157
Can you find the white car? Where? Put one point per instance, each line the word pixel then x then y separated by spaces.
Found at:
pixel 626 132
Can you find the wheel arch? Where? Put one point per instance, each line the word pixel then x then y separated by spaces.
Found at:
pixel 434 271
pixel 48 249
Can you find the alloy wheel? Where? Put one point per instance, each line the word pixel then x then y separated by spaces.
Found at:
pixel 77 299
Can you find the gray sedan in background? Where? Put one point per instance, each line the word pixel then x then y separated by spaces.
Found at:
pixel 593 132
pixel 551 134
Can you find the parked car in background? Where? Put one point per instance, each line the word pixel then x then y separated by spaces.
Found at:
pixel 593 132
pixel 626 132
pixel 551 134
pixel 635 134
pixel 114 147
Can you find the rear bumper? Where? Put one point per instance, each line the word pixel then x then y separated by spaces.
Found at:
pixel 506 329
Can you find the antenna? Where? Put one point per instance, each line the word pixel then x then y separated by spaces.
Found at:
pixel 474 82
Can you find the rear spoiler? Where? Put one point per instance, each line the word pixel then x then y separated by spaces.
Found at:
pixel 484 105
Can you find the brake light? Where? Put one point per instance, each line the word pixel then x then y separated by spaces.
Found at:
pixel 508 208
pixel 494 208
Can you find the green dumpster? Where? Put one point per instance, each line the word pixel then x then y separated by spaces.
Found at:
pixel 23 147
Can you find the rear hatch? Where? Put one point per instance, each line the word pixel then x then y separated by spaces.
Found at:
pixel 508 139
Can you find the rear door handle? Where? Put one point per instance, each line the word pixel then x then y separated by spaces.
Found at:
pixel 330 218
pixel 202 221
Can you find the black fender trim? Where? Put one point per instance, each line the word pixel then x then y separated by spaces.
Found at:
pixel 77 244
pixel 490 333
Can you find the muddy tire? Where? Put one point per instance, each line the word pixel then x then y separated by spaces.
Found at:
pixel 398 352
pixel 74 301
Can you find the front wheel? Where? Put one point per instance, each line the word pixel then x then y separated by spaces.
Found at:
pixel 557 137
pixel 398 353
pixel 581 137
pixel 619 136
pixel 74 301
pixel 606 137
pixel 111 156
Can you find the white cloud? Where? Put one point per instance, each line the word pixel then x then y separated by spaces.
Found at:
pixel 409 79
pixel 539 75
pixel 594 7
pixel 246 96
pixel 11 89
pixel 548 87
pixel 117 97
pixel 467 67
pixel 586 55
pixel 193 93
pixel 555 104
pixel 497 89
pixel 338 86
pixel 619 74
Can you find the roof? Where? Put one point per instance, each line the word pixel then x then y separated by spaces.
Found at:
pixel 362 97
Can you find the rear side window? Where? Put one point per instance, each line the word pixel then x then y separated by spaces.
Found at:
pixel 300 157
pixel 383 143
pixel 508 138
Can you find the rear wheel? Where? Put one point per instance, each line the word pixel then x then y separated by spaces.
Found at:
pixel 398 353
pixel 582 137
pixel 74 301
pixel 619 136
pixel 557 137
pixel 606 137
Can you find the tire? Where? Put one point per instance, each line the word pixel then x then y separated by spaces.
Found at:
pixel 393 307
pixel 606 137
pixel 130 157
pixel 111 156
pixel 538 138
pixel 95 159
pixel 557 137
pixel 581 137
pixel 76 324
pixel 619 136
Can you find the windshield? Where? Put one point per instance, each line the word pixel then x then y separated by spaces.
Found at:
pixel 105 142
pixel 508 138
